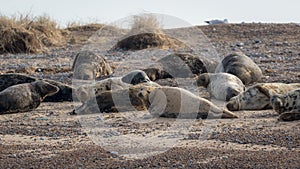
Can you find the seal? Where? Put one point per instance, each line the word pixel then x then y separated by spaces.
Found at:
pixel 188 65
pixel 25 97
pixel 156 73
pixel 114 101
pixel 286 102
pixel 88 65
pixel 134 77
pixel 241 66
pixel 10 79
pixel 160 101
pixel 175 102
pixel 222 86
pixel 176 65
pixel 64 93
pixel 257 97
pixel 290 116
pixel 160 76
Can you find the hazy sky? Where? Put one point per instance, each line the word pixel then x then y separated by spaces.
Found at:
pixel 192 11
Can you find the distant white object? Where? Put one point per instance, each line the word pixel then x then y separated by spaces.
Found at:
pixel 216 21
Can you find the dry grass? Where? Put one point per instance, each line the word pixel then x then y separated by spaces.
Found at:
pixel 25 34
pixel 145 23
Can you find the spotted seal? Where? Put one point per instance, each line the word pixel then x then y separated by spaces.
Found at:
pixel 286 102
pixel 257 97
pixel 87 66
pixel 289 116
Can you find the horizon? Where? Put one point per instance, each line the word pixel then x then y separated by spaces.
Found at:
pixel 193 12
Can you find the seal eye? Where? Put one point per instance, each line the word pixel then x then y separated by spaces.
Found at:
pixel 148 91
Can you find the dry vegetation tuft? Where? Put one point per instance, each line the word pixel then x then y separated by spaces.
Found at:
pixel 25 34
pixel 145 23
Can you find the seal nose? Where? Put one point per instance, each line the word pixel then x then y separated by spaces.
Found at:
pixel 140 95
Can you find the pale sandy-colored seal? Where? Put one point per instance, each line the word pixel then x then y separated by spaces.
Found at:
pixel 25 97
pixel 257 97
pixel 241 66
pixel 222 86
pixel 87 66
pixel 177 102
pixel 286 102
pixel 64 93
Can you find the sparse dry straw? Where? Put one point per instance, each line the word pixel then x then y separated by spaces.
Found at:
pixel 24 34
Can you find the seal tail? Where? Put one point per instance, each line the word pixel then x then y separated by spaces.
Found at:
pixel 216 112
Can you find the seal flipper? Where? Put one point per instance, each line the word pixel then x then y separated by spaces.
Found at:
pixel 290 116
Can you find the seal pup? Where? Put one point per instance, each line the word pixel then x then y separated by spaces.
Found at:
pixel 257 97
pixel 241 66
pixel 286 102
pixel 173 102
pixel 222 86
pixel 25 97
